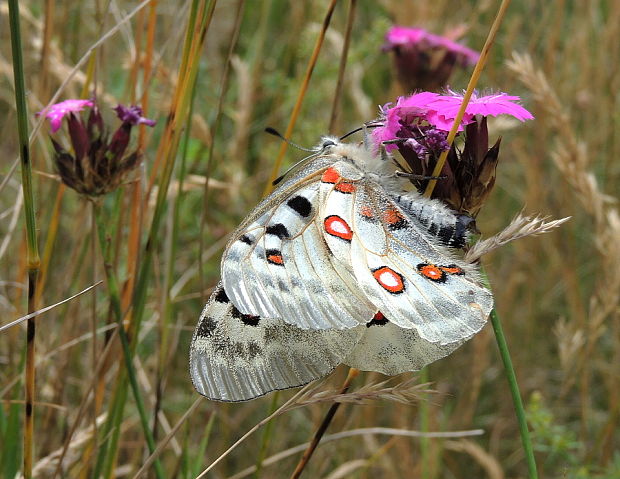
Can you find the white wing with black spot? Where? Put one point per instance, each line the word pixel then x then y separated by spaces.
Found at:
pixel 279 266
pixel 409 276
pixel 237 357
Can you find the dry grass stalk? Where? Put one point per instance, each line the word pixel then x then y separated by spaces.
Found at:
pixel 404 392
pixel 570 156
pixel 519 227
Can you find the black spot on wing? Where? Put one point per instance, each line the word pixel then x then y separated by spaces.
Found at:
pixel 246 319
pixel 278 230
pixel 246 239
pixel 300 205
pixel 221 296
pixel 206 327
pixel 377 320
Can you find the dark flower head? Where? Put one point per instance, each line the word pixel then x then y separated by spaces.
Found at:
pixel 424 60
pixel 98 164
pixel 132 115
pixel 418 126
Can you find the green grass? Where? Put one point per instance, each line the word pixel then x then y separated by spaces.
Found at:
pixel 557 294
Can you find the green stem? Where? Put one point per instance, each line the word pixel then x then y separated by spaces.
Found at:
pixel 516 396
pixel 115 301
pixel 31 231
pixel 425 457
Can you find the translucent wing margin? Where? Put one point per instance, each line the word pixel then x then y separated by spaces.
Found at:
pixel 236 357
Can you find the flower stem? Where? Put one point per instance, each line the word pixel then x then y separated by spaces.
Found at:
pixel 115 302
pixel 31 231
pixel 484 54
pixel 303 462
pixel 516 396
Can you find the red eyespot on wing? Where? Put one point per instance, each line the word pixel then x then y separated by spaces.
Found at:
pixel 432 272
pixel 330 176
pixel 366 212
pixel 452 269
pixel 389 279
pixel 274 257
pixel 345 187
pixel 394 218
pixel 377 320
pixel 336 226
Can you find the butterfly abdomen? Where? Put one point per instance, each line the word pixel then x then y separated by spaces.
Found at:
pixel 451 229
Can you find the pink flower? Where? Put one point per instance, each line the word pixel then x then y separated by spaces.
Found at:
pixel 426 109
pixel 404 36
pixel 133 115
pixel 58 111
pixel 420 38
pixel 404 113
pixel 443 109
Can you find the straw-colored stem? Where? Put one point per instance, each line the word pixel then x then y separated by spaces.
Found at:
pixel 216 127
pixel 300 97
pixel 33 259
pixel 341 69
pixel 195 37
pixel 473 81
pixel 303 462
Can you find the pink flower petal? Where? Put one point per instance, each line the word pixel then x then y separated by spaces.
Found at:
pixel 56 112
pixel 446 107
pixel 403 36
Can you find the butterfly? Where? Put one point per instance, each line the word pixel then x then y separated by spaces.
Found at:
pixel 342 264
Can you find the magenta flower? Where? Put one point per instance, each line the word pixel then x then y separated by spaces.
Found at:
pixel 97 162
pixel 418 127
pixel 443 109
pixel 133 115
pixel 55 113
pixel 423 60
pixel 418 37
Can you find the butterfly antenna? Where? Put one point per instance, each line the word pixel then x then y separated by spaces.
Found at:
pixel 274 132
pixel 370 124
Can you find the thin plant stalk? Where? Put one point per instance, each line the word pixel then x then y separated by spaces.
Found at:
pixel 216 127
pixel 115 302
pixel 33 259
pixel 303 462
pixel 499 335
pixel 473 81
pixel 266 436
pixel 336 106
pixel 511 377
pixel 300 96
pixel 166 154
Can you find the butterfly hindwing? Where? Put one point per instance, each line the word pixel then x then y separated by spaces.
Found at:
pixel 389 349
pixel 236 357
pixel 414 279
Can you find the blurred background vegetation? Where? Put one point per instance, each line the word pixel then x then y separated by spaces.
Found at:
pixel 557 295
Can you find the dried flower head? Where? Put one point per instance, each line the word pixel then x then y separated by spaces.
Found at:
pixel 98 163
pixel 424 60
pixel 417 126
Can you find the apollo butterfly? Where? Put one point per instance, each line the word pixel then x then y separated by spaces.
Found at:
pixel 342 263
